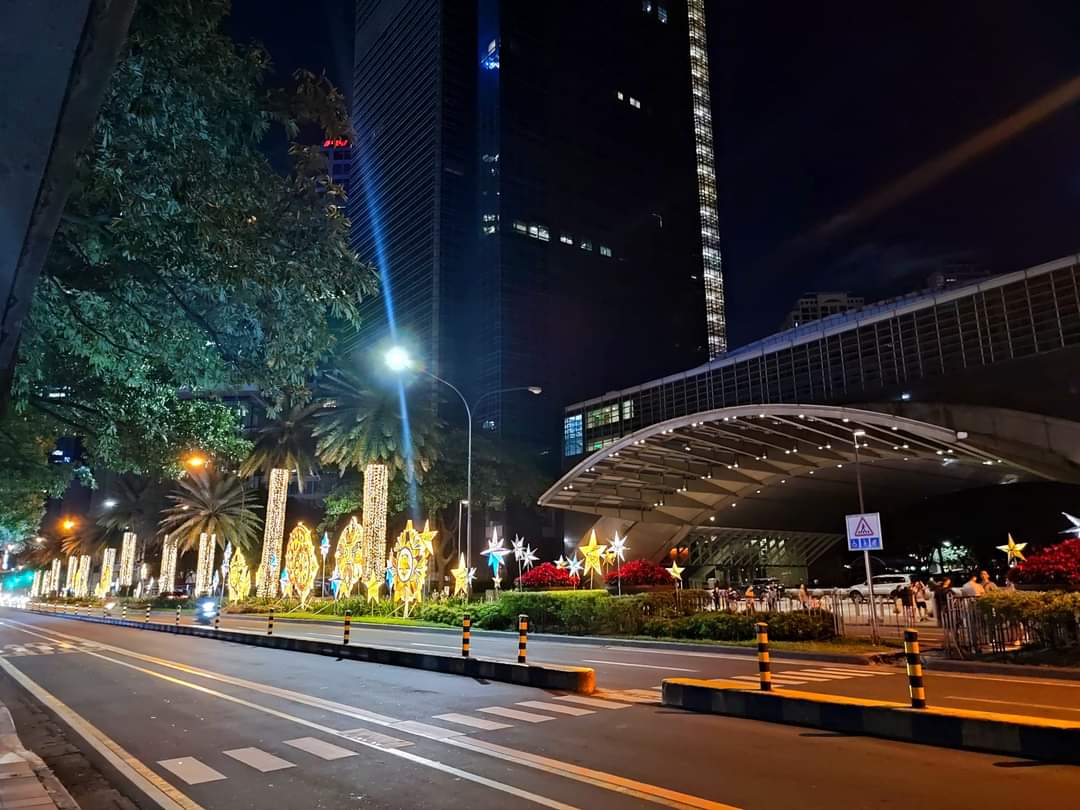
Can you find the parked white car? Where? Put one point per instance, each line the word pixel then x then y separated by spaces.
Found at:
pixel 884 584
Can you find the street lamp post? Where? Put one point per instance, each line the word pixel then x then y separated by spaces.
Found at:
pixel 398 360
pixel 856 435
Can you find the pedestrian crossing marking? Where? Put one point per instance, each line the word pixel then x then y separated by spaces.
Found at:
pixel 543 706
pixel 472 722
pixel 320 748
pixel 775 679
pixel 595 703
pixel 375 738
pixel 425 730
pixel 516 714
pixel 191 770
pixel 258 759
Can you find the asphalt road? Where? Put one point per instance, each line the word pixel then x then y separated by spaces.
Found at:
pixel 230 726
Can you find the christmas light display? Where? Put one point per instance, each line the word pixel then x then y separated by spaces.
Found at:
pixel 676 573
pixel 349 558
pixel 618 548
pixel 239 581
pixel 204 568
pixel 54 580
pixel 593 554
pixel 35 588
pixel 463 577
pixel 127 560
pixel 46 582
pixel 574 565
pixel 273 532
pixel 69 583
pixel 374 584
pixel 410 554
pixel 169 548
pixel 1074 529
pixel 376 481
pixel 562 563
pixel 529 558
pixel 108 563
pixel 1014 550
pixel 81 585
pixel 301 562
pixel 495 553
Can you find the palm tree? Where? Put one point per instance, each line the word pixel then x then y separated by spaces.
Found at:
pixel 282 446
pixel 211 503
pixel 363 427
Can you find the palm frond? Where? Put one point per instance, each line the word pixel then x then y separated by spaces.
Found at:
pixel 212 503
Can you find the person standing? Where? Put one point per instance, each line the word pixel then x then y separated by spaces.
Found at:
pixel 919 592
pixel 987 583
pixel 972 588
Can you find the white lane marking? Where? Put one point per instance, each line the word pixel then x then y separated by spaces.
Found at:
pixel 638 666
pixel 1014 703
pixel 427 730
pixel 515 714
pixel 803 675
pixel 366 735
pixel 145 779
pixel 472 722
pixel 601 779
pixel 320 748
pixel 843 673
pixel 1024 681
pixel 775 679
pixel 191 770
pixel 436 646
pixel 258 759
pixel 544 706
pixel 595 703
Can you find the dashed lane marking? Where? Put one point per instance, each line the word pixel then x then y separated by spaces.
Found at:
pixel 190 770
pixel 636 666
pixel 258 759
pixel 516 714
pixel 321 748
pixel 472 722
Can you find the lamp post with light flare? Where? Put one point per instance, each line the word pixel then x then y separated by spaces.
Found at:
pixel 856 435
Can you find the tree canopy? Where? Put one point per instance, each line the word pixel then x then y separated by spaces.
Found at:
pixel 184 265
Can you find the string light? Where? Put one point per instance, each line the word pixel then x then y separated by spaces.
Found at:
pixel 239 578
pixel 81 585
pixel 376 482
pixel 169 550
pixel 35 589
pixel 204 568
pixel 373 584
pixel 349 558
pixel 54 580
pixel 127 560
pixel 69 583
pixel 301 562
pixel 274 531
pixel 410 564
pixel 108 562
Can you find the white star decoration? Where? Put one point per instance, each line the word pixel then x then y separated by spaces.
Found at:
pixel 1074 530
pixel 618 547
pixel 575 565
pixel 519 548
pixel 495 553
pixel 528 558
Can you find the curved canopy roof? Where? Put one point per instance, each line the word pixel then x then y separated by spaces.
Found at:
pixel 777 466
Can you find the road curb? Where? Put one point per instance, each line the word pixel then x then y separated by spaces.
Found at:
pixel 581 680
pixel 864 659
pixel 989 732
pixel 22 765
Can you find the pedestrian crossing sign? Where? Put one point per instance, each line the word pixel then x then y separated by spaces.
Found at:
pixel 864 532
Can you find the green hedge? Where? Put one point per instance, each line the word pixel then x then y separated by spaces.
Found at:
pixel 1052 617
pixel 720 626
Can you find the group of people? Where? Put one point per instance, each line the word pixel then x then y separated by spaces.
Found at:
pixel 922 600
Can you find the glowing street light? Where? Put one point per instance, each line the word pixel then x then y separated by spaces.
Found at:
pixel 109 503
pixel 196 461
pixel 397 359
pixel 67 524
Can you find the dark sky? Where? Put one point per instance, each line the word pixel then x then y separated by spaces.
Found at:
pixel 819 106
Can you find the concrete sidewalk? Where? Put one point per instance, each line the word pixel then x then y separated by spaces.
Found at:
pixel 26 781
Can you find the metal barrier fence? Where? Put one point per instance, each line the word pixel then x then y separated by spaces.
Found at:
pixel 970 631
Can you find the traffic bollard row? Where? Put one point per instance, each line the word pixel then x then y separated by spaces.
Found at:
pixel 346 628
pixel 763 664
pixel 523 636
pixel 270 623
pixel 177 615
pixel 217 621
pixel 914 669
pixel 466 635
pixel 148 614
pixel 123 612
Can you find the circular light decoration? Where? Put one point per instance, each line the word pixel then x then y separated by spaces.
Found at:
pixel 239 578
pixel 349 558
pixel 301 562
pixel 409 560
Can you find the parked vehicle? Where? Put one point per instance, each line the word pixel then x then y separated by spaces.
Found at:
pixel 884 584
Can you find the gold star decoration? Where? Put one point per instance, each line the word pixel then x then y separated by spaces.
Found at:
pixel 374 583
pixel 675 571
pixel 593 553
pixel 463 577
pixel 1013 549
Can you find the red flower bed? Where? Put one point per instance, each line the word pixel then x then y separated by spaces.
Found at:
pixel 639 572
pixel 547 575
pixel 1056 565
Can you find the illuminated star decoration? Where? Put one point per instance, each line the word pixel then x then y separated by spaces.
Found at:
pixel 519 548
pixel 463 577
pixel 284 581
pixel 390 575
pixel 675 572
pixel 1013 549
pixel 574 565
pixel 619 548
pixel 562 563
pixel 593 554
pixel 374 583
pixel 495 553
pixel 1074 530
pixel 529 558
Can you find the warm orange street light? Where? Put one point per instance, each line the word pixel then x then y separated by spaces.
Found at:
pixel 195 461
pixel 67 524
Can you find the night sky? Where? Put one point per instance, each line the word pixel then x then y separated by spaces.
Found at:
pixel 819 110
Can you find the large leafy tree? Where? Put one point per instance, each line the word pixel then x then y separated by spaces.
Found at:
pixel 184 264
pixel 213 503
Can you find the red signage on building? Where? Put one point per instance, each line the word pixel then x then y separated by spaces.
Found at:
pixel 334 142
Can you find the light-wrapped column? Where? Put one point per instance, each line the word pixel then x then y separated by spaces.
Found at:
pixel 167 580
pixel 82 577
pixel 73 566
pixel 376 479
pixel 127 560
pixel 204 569
pixel 108 566
pixel 273 533
pixel 35 589
pixel 54 580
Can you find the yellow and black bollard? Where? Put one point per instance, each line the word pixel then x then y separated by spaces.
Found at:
pixel 177 615
pixel 523 636
pixel 217 621
pixel 914 669
pixel 104 612
pixel 147 614
pixel 346 627
pixel 270 623
pixel 763 664
pixel 466 634
pixel 123 612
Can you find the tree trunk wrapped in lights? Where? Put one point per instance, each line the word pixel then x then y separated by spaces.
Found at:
pixel 376 485
pixel 82 577
pixel 239 579
pixel 54 581
pixel 274 531
pixel 127 560
pixel 301 562
pixel 72 568
pixel 349 558
pixel 108 563
pixel 204 569
pixel 35 589
pixel 167 580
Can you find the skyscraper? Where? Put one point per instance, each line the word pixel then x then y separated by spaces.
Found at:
pixel 536 185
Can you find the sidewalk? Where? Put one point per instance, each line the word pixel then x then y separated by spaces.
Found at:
pixel 26 781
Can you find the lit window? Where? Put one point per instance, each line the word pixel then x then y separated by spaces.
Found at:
pixel 489 229
pixel 646 6
pixel 543 233
pixel 566 239
pixel 573 437
pixel 586 244
pixel 491 217
pixel 661 13
pixel 605 251
pixel 607 415
pixel 619 95
pixel 600 444
pixel 635 103
pixel 627 409
pixel 520 226
pixel 534 231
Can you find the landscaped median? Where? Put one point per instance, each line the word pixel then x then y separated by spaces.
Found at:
pixel 1013 735
pixel 581 680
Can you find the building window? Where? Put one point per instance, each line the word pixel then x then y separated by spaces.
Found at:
pixel 543 233
pixel 627 410
pixel 661 13
pixel 605 251
pixel 573 437
pixel 489 230
pixel 586 244
pixel 566 239
pixel 598 417
pixel 646 6
pixel 520 226
pixel 619 95
pixel 534 231
pixel 600 444
pixel 635 103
